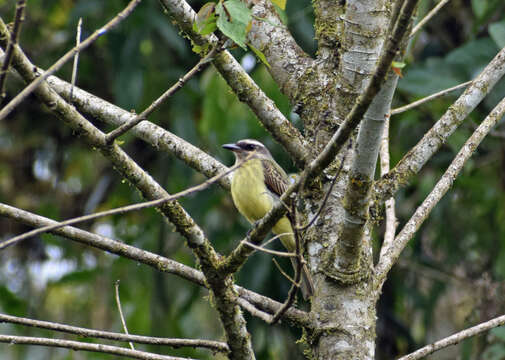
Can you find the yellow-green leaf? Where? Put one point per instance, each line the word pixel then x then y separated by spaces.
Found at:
pixel 260 55
pixel 280 3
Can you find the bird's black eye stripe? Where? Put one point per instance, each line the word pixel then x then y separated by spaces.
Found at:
pixel 249 147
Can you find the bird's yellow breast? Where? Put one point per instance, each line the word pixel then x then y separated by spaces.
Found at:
pixel 253 200
pixel 248 190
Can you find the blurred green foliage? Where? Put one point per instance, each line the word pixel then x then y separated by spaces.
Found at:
pixel 455 266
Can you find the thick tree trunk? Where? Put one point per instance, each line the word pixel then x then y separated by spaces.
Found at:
pixel 350 41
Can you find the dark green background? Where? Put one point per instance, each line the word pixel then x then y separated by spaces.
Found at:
pixel 451 273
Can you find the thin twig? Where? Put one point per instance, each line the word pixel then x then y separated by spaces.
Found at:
pixel 76 59
pixel 272 238
pixel 428 16
pixel 91 333
pixel 455 338
pixel 494 133
pixel 13 40
pixel 178 85
pixel 254 310
pixel 429 98
pixel 268 251
pixel 298 272
pixel 120 210
pixel 391 253
pixel 58 64
pixel 285 274
pixel 328 193
pixel 123 321
pixel 156 262
pixel 315 167
pixel 78 345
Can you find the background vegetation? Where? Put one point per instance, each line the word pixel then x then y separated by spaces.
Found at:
pixel 454 268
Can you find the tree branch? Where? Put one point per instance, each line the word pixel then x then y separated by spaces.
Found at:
pixel 242 85
pixel 429 98
pixel 155 261
pixel 455 338
pixel 119 210
pixel 158 262
pixel 77 345
pixel 263 226
pixel 173 89
pixel 415 159
pixel 288 62
pixel 91 333
pixel 391 223
pixel 361 105
pixel 153 134
pixel 123 321
pixel 221 284
pixel 76 58
pixel 428 17
pixel 357 195
pixel 19 17
pixel 390 255
pixel 123 163
pixel 58 64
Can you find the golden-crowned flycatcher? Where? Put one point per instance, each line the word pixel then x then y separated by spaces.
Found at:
pixel 255 186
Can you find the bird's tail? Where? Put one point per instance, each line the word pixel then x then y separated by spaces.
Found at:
pixel 307 286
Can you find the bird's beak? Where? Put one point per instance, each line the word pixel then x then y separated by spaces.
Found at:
pixel 231 147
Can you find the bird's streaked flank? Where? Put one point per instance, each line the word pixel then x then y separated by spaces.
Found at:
pixel 256 186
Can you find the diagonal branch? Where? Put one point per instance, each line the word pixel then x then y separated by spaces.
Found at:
pixel 16 29
pixel 76 58
pixel 314 168
pixel 173 89
pixel 91 333
pixel 288 62
pixel 120 210
pixel 391 254
pixel 78 345
pixel 221 284
pixel 428 17
pixel 158 137
pixel 357 195
pixel 455 338
pixel 429 98
pixel 415 159
pixel 361 105
pixel 242 85
pixel 153 134
pixel 119 248
pixel 123 163
pixel 155 261
pixel 69 55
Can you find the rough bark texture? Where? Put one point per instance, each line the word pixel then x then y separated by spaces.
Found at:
pixel 350 40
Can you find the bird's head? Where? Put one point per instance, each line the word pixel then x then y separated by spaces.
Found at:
pixel 248 148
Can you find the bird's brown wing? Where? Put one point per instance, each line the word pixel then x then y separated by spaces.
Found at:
pixel 275 178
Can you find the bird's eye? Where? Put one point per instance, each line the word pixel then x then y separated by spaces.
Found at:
pixel 250 147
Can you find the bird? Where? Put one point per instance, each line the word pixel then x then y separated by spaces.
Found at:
pixel 256 185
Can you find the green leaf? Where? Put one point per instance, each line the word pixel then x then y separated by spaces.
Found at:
pixel 398 65
pixel 280 3
pixel 234 16
pixel 497 32
pixel 205 21
pixel 260 55
pixel 197 49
